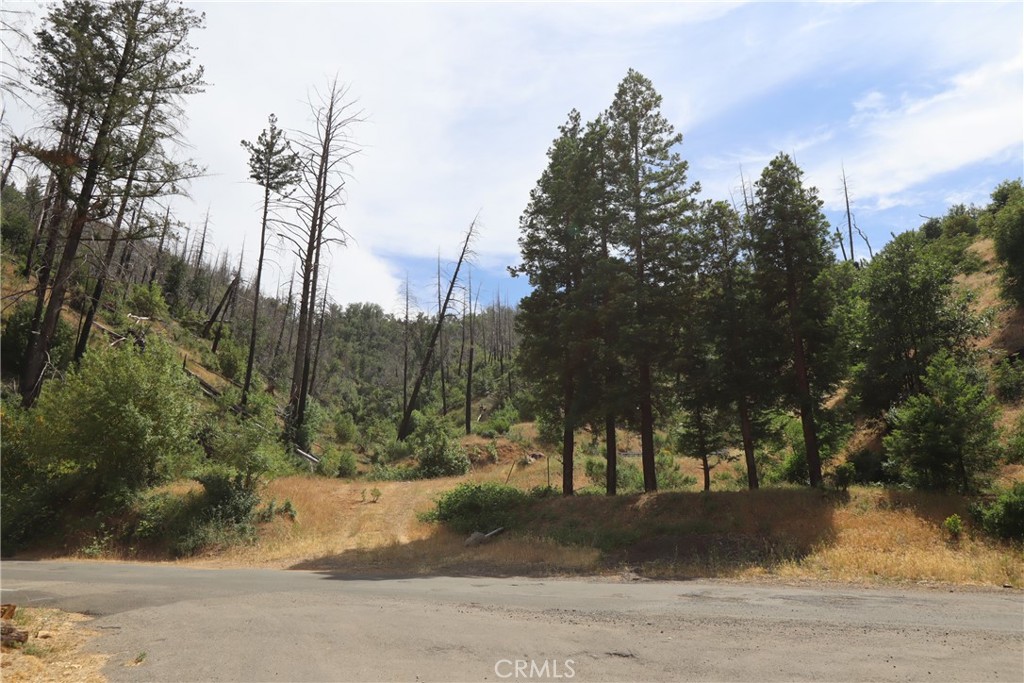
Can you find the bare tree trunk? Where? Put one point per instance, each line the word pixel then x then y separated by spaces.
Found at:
pixel 220 306
pixel 747 430
pixel 611 455
pixel 404 427
pixel 568 436
pixel 849 216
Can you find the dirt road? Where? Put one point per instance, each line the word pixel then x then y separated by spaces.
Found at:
pixel 267 625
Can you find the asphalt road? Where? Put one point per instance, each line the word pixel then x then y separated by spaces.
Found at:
pixel 268 625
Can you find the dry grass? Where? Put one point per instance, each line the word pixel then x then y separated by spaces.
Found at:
pixel 865 535
pixel 900 537
pixel 52 653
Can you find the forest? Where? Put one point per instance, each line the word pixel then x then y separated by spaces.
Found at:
pixel 750 342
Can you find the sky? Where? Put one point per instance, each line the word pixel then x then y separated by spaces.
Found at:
pixel 921 104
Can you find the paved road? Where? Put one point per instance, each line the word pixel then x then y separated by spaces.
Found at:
pixel 267 625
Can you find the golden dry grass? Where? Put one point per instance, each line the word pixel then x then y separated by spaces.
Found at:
pixel 865 535
pixel 52 653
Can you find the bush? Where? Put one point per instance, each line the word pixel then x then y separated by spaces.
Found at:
pixel 231 359
pixel 1004 517
pixel 844 475
pixel 15 336
pixel 344 427
pixel 954 526
pixel 1008 380
pixel 118 424
pixel 670 477
pixel 437 454
pixel 1015 444
pixel 944 438
pixel 337 463
pixel 628 476
pixel 147 302
pixel 502 419
pixel 479 507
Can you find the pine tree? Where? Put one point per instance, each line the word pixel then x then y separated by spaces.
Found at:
pixel 651 203
pixel 274 167
pixel 791 248
pixel 558 252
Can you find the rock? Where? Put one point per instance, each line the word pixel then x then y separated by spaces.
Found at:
pixel 45 634
pixel 476 538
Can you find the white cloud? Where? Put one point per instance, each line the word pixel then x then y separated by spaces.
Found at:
pixel 976 117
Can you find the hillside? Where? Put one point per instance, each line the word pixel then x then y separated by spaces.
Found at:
pixel 368 523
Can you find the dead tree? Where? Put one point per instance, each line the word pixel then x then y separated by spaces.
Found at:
pixel 405 427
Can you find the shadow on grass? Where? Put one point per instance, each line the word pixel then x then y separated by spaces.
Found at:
pixel 669 535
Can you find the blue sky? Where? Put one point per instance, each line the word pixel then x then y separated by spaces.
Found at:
pixel 921 103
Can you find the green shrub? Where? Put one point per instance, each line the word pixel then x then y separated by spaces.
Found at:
pixel 954 526
pixel 1004 517
pixel 670 476
pixel 337 463
pixel 15 336
pixel 1008 381
pixel 347 465
pixel 844 475
pixel 502 419
pixel 944 438
pixel 1015 443
pixel 628 476
pixel 438 455
pixel 382 472
pixel 479 507
pixel 231 359
pixel 344 427
pixel 147 302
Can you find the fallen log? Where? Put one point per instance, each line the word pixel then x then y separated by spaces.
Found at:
pixel 9 634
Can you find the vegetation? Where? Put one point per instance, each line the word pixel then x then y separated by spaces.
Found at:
pixel 730 342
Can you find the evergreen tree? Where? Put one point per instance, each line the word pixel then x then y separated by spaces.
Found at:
pixel 791 248
pixel 910 315
pixel 94 65
pixel 558 252
pixel 728 360
pixel 945 437
pixel 274 167
pixel 651 205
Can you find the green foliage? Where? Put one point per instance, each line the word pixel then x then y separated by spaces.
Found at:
pixel 911 315
pixel 501 420
pixel 1008 380
pixel 344 427
pixel 1004 517
pixel 944 438
pixel 121 422
pixel 954 526
pixel 844 475
pixel 15 221
pixel 628 477
pixel 147 302
pixel 437 453
pixel 174 285
pixel 231 359
pixel 479 507
pixel 1015 443
pixel 337 463
pixel 1004 221
pixel 15 337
